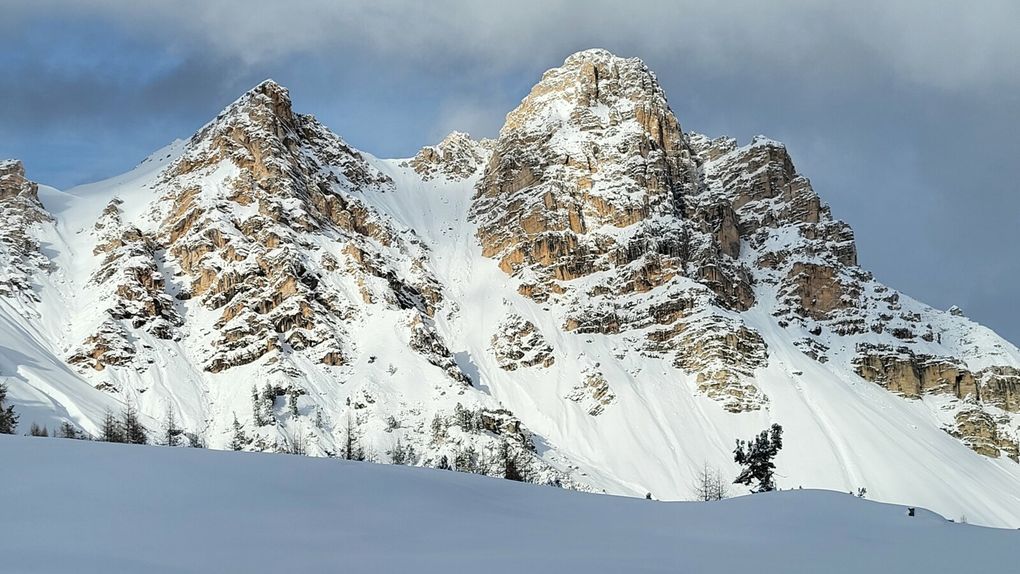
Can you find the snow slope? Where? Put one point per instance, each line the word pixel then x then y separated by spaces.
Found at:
pixel 842 433
pixel 88 507
pixel 420 320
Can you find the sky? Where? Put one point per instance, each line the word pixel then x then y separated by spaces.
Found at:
pixel 904 114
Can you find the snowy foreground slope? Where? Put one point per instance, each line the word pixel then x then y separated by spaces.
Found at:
pixel 596 297
pixel 84 507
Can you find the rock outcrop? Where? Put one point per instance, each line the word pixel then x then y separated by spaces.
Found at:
pixel 261 263
pixel 594 299
pixel 455 158
pixel 593 200
pixel 519 344
pixel 20 255
pixel 592 393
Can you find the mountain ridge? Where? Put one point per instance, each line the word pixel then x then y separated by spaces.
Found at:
pixel 596 295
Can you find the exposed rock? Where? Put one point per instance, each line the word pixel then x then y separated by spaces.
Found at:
pixel 592 174
pixel 817 289
pixel 984 434
pixel 456 157
pixel 109 345
pixel 722 355
pixel 20 254
pixel 994 389
pixel 592 393
pixel 1000 387
pixel 902 371
pixel 518 343
pixel 551 185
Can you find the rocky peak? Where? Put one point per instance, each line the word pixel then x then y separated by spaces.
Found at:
pixel 594 91
pixel 254 219
pixel 592 178
pixel 21 212
pixel 456 157
pixel 265 104
pixel 13 181
pixel 593 146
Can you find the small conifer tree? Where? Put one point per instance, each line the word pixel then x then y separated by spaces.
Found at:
pixel 756 457
pixel 240 439
pixel 110 430
pixel 8 418
pixel 134 432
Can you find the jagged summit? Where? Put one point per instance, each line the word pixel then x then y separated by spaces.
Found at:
pixel 596 88
pixel 456 157
pixel 12 177
pixel 8 165
pixel 21 253
pixel 592 54
pixel 266 94
pixel 596 299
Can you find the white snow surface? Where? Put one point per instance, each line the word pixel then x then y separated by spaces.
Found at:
pixel 72 506
pixel 842 433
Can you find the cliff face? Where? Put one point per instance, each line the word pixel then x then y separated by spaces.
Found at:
pixel 594 198
pixel 20 255
pixel 624 225
pixel 259 268
pixel 596 299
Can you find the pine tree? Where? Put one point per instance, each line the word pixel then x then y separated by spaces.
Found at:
pixel 464 418
pixel 134 432
pixel 68 430
pixel 756 457
pixel 8 418
pixel 467 459
pixel 269 403
pixel 397 455
pixel 292 398
pixel 36 430
pixel 439 427
pixel 256 408
pixel 111 431
pixel 352 449
pixel 171 433
pixel 239 440
pixel 194 440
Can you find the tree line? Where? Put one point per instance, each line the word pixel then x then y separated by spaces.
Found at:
pixel 125 427
pixel 755 456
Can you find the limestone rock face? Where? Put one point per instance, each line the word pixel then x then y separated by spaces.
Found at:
pixel 250 249
pixel 20 255
pixel 912 375
pixel 595 299
pixel 593 150
pixel 457 157
pixel 518 343
pixel 593 393
pixel 259 263
pixel 980 431
pixel 595 199
pixel 985 399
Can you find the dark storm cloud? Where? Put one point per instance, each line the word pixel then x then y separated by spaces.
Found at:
pixel 902 113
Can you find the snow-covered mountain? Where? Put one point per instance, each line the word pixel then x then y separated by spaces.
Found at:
pixel 596 299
